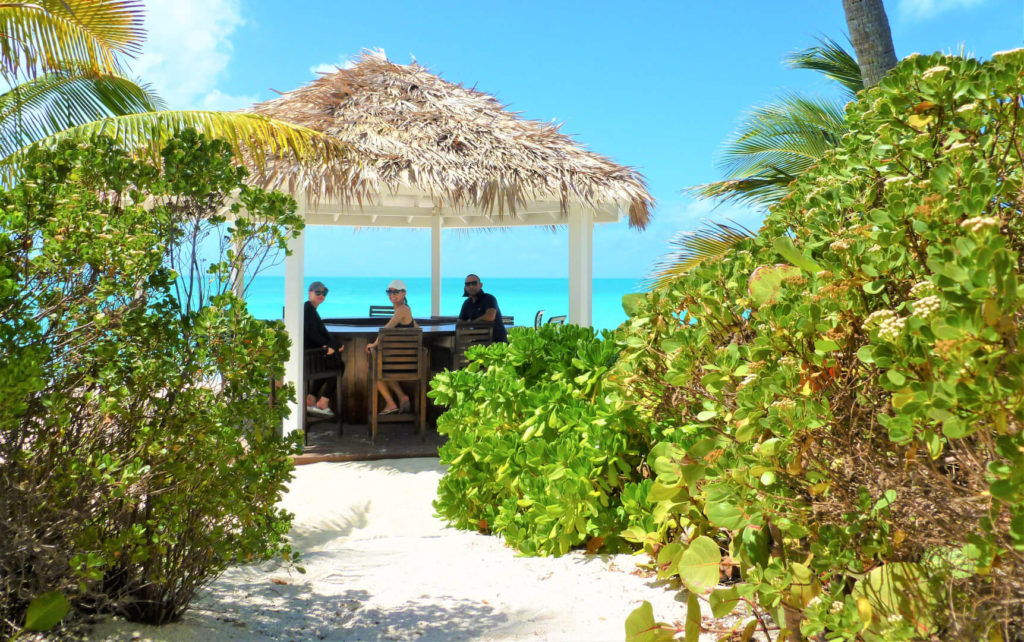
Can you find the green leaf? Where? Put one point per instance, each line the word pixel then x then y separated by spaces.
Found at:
pixel 725 515
pixel 641 627
pixel 46 611
pixel 692 618
pixel 784 246
pixel 896 377
pixel 631 303
pixel 723 601
pixel 699 565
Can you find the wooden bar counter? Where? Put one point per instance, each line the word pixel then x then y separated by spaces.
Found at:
pixel 355 334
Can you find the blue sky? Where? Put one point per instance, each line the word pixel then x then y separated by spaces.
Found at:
pixel 655 85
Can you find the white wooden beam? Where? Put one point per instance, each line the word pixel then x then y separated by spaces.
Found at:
pixel 294 270
pixel 581 266
pixel 435 265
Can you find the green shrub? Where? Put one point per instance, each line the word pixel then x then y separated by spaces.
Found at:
pixel 138 453
pixel 850 432
pixel 538 450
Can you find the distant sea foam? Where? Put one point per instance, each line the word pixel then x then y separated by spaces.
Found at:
pixel 352 297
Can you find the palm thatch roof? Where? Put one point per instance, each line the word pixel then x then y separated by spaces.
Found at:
pixel 408 128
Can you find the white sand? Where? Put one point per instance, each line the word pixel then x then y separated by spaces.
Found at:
pixel 380 566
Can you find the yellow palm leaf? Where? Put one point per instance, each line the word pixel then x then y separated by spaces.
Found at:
pixel 256 139
pixel 50 35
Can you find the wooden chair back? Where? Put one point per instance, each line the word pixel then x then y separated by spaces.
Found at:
pixel 317 365
pixel 377 311
pixel 508 319
pixel 467 335
pixel 559 320
pixel 400 356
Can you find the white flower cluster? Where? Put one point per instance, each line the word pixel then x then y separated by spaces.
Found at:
pixel 815 601
pixel 927 307
pixel 891 329
pixel 923 288
pixel 980 223
pixel 788 361
pixel 784 404
pixel 840 246
pixel 933 71
pixel 836 607
pixel 879 317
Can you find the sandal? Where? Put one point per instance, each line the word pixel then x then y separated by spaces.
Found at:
pixel 405 406
pixel 389 411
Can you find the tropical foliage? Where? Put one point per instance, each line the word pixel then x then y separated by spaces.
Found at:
pixel 835 411
pixel 538 452
pixel 138 454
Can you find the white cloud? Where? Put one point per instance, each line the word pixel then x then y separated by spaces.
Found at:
pixel 187 49
pixel 928 9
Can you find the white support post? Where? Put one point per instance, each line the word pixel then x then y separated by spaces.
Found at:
pixel 581 266
pixel 435 263
pixel 294 298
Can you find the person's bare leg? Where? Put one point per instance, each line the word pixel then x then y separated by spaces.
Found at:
pixel 323 403
pixel 389 401
pixel 403 399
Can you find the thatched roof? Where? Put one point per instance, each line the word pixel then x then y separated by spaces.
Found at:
pixel 408 127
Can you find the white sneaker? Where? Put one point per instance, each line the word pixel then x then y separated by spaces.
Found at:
pixel 317 410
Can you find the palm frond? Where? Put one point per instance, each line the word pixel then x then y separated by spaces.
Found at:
pixel 52 103
pixel 254 139
pixel 51 35
pixel 774 145
pixel 833 60
pixel 710 243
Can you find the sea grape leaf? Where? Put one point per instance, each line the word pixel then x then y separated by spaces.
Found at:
pixel 698 566
pixel 46 611
pixel 641 626
pixel 723 601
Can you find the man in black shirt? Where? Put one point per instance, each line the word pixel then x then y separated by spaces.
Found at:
pixel 480 306
pixel 315 335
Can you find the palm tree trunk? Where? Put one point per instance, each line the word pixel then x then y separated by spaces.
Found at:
pixel 871 38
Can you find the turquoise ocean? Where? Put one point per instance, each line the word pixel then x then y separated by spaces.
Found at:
pixel 521 298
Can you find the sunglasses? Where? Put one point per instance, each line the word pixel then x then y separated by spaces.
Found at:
pixel 320 292
pixel 389 291
pixel 471 282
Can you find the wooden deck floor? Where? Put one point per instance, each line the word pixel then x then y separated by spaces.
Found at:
pixel 394 441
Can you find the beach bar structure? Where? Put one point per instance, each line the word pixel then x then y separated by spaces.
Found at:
pixel 428 153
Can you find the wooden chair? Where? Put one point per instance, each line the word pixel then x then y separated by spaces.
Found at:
pixel 317 366
pixel 559 320
pixel 382 311
pixel 467 335
pixel 400 356
pixel 508 319
pixel 538 319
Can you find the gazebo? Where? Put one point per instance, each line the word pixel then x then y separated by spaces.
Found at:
pixel 427 153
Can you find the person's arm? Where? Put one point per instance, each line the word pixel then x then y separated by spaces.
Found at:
pixel 402 312
pixel 490 309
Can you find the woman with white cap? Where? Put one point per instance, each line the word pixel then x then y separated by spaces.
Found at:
pixel 402 318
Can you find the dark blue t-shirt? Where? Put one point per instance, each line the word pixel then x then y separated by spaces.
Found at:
pixel 475 309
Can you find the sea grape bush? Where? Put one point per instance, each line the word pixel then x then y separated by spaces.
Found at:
pixel 539 451
pixel 138 453
pixel 848 431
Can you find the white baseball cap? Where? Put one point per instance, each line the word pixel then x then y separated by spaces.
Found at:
pixel 397 284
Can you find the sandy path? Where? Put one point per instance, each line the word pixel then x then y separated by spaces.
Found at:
pixel 380 566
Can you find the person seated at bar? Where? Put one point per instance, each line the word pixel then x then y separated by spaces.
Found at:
pixel 315 335
pixel 402 318
pixel 480 306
